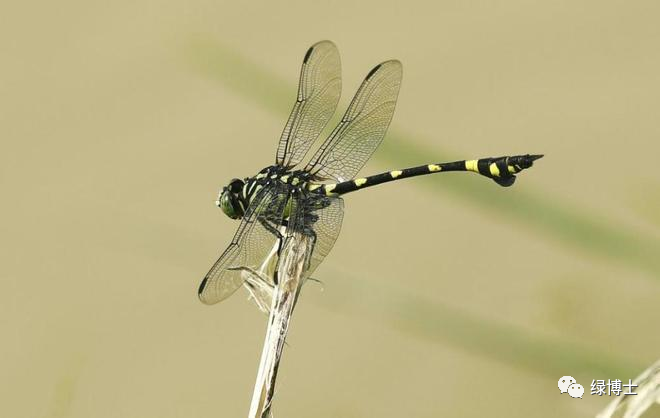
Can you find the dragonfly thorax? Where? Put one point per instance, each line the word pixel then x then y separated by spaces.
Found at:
pixel 297 179
pixel 235 198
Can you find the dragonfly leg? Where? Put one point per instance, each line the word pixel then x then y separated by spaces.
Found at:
pixel 270 228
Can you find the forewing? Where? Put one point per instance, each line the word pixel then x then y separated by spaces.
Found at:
pixel 251 245
pixel 362 128
pixel 319 89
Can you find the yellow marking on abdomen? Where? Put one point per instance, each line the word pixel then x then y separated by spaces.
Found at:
pixel 434 167
pixel 284 178
pixel 359 182
pixel 512 169
pixel 313 187
pixel 261 175
pixel 329 188
pixel 494 170
pixel 472 165
pixel 395 173
pixel 295 181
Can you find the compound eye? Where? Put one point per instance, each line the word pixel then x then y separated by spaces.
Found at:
pixel 236 185
pixel 226 206
pixel 230 205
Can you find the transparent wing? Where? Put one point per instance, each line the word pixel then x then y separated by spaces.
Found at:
pixel 319 218
pixel 323 216
pixel 319 89
pixel 251 246
pixel 362 128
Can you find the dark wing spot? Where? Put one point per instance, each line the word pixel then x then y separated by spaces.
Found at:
pixel 202 286
pixel 373 71
pixel 308 54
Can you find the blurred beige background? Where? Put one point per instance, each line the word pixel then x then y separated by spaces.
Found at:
pixel 446 296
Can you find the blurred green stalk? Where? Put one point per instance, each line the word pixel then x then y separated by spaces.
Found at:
pixel 410 313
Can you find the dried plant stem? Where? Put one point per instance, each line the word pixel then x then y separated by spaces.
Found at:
pixel 290 272
pixel 648 394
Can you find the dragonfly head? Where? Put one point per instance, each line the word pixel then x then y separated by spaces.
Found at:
pixel 230 199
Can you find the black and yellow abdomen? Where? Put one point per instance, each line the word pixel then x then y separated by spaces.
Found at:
pixel 502 170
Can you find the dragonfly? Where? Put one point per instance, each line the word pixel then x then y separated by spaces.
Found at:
pixel 307 199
